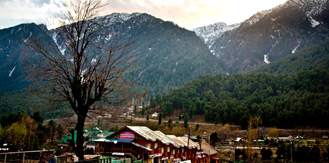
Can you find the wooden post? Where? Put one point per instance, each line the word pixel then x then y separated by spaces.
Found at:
pixel 188 136
pixel 5 158
pixel 23 157
pixel 291 150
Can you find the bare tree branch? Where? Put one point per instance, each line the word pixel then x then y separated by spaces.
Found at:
pixel 87 73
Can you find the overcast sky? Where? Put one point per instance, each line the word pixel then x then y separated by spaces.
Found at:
pixel 186 13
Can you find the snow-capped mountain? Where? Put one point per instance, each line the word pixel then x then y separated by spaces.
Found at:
pixel 14 54
pixel 116 18
pixel 108 23
pixel 311 8
pixel 211 32
pixel 272 34
pixel 164 55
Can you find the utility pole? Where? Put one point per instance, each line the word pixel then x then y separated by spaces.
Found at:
pixel 188 136
pixel 291 150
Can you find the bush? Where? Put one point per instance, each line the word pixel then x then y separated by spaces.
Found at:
pixel 89 151
pixel 266 154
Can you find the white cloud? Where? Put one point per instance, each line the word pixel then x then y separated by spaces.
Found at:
pixel 14 12
pixel 194 13
pixel 186 13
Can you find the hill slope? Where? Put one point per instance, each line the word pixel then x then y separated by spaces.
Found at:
pixel 15 54
pixel 211 32
pixel 165 55
pixel 316 57
pixel 169 56
pixel 270 35
pixel 286 101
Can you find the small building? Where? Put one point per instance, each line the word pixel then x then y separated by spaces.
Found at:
pixel 208 152
pixel 142 143
pixel 89 136
pixel 66 141
pixel 155 115
pixel 93 135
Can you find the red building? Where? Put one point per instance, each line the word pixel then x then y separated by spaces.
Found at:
pixel 208 153
pixel 142 143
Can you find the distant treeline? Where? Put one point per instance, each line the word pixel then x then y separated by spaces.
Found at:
pixel 283 100
pixel 27 132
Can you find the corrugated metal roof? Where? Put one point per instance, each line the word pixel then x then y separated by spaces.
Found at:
pixel 138 145
pixel 95 129
pixel 151 135
pixel 177 142
pixel 145 132
pixel 208 148
pixel 192 144
pixel 164 138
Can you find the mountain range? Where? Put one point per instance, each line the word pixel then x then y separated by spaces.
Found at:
pixel 169 56
pixel 272 34
pixel 165 56
pixel 210 33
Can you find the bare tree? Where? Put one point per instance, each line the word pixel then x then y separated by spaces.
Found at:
pixel 252 134
pixel 87 72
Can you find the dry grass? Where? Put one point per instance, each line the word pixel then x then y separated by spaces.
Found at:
pixel 179 130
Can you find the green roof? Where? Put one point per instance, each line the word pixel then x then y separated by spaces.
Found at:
pixel 106 134
pixel 95 129
pixel 90 143
pixel 67 137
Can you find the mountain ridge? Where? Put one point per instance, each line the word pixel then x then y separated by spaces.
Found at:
pixel 273 34
pixel 316 57
pixel 212 32
pixel 165 49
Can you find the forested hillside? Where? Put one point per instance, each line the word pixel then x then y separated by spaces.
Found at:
pixel 15 54
pixel 273 34
pixel 281 100
pixel 308 59
pixel 163 56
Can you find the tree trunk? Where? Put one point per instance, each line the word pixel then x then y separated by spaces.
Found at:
pixel 80 139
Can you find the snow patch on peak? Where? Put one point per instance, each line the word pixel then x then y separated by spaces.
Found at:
pixel 11 71
pixel 117 18
pixel 107 38
pixel 293 51
pixel 310 7
pixel 93 61
pixel 266 60
pixel 28 37
pixel 61 49
pixel 255 18
pixel 211 32
pixel 313 22
pixel 310 15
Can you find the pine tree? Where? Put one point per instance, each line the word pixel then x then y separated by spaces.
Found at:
pixel 160 119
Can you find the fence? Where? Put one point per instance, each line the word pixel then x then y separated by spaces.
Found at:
pixel 23 156
pixel 103 160
pixel 33 157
